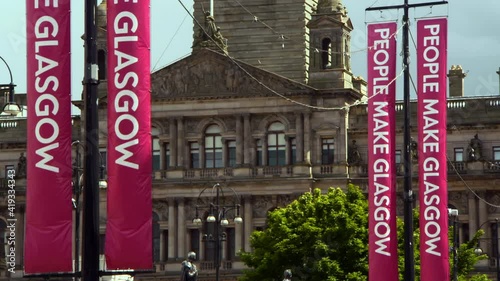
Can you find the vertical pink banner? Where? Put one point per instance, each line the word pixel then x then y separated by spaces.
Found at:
pixel 129 227
pixel 433 193
pixel 48 243
pixel 383 258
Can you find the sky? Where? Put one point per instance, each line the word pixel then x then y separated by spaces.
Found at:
pixel 474 40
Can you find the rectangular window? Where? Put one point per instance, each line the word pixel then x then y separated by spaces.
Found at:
pixel 398 157
pixel 231 153
pixel 459 154
pixel 156 154
pixel 327 149
pixel 194 155
pixel 293 151
pixel 496 153
pixel 213 151
pixel 276 149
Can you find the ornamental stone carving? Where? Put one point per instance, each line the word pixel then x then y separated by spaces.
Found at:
pixel 161 208
pixel 261 205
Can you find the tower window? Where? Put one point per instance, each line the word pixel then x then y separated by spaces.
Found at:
pixel 326 53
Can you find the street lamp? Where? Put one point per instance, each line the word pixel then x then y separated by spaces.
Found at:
pixel 10 107
pixel 217 213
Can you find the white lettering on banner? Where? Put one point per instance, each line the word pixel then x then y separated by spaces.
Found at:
pixel 126 101
pixel 431 141
pixel 46 29
pixel 431 56
pixel 431 166
pixel 381 57
pixel 381 169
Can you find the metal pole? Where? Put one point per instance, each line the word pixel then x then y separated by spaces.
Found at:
pixel 496 249
pixel 77 211
pixel 217 238
pixel 455 248
pixel 408 193
pixel 90 266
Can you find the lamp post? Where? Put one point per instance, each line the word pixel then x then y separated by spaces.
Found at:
pixel 217 214
pixel 10 107
pixel 90 262
pixel 77 191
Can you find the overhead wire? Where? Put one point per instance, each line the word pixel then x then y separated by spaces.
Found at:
pixel 275 92
pixel 468 187
pixel 170 42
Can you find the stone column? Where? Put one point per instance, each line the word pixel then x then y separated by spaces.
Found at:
pixel 264 150
pixel 201 254
pixel 247 221
pixel 307 138
pixel 247 141
pixel 224 152
pixel 162 155
pixel 171 228
pixel 238 235
pixel 180 142
pixel 223 247
pixel 472 208
pixel 181 228
pixel 299 138
pixel 483 218
pixel 288 150
pixel 239 141
pixel 201 146
pixel 173 143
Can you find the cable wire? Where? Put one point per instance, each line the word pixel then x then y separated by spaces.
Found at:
pixel 468 187
pixel 168 45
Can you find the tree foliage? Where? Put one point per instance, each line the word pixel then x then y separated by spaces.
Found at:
pixel 319 236
pixel 325 237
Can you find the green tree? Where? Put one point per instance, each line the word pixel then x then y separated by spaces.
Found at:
pixel 319 236
pixel 325 237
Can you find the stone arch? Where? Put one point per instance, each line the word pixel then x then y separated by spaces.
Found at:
pixel 203 124
pixel 158 125
pixel 264 124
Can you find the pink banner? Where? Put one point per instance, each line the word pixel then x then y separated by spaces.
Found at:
pixel 129 227
pixel 433 193
pixel 48 243
pixel 383 259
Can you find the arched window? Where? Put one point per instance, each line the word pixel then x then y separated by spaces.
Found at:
pixel 155 143
pixel 213 147
pixel 276 145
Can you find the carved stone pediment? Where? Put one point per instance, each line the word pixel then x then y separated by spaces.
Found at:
pixel 326 21
pixel 207 74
